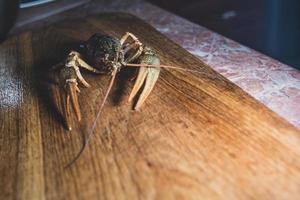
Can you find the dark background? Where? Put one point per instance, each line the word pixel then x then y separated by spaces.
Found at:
pixel 8 14
pixel 269 26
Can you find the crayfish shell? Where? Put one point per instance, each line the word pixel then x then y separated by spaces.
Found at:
pixel 99 49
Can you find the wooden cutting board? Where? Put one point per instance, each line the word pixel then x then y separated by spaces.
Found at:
pixel 198 136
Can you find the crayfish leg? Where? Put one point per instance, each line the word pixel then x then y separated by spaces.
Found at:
pixel 86 66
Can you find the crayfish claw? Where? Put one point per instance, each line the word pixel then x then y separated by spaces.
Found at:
pixel 151 78
pixel 147 76
pixel 72 91
pixel 71 100
pixel 138 82
pixel 69 74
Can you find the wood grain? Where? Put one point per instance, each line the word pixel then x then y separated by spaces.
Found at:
pixel 198 136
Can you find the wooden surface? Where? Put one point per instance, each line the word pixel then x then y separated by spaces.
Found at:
pixel 198 136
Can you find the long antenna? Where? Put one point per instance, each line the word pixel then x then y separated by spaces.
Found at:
pixel 162 66
pixel 112 80
pixel 91 131
pixel 173 67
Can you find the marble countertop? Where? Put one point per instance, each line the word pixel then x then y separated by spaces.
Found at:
pixel 274 84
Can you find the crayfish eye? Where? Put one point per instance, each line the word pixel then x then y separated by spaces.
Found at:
pixel 82 46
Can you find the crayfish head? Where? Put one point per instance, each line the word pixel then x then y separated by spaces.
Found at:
pixel 102 51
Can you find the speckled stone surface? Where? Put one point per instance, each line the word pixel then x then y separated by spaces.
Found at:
pixel 274 84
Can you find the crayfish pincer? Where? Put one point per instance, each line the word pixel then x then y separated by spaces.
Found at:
pixel 105 54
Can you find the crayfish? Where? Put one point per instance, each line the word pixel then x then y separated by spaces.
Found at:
pixel 105 54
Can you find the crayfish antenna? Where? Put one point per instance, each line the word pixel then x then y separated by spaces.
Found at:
pixel 112 80
pixel 70 100
pixel 91 130
pixel 73 90
pixel 147 76
pixel 162 66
